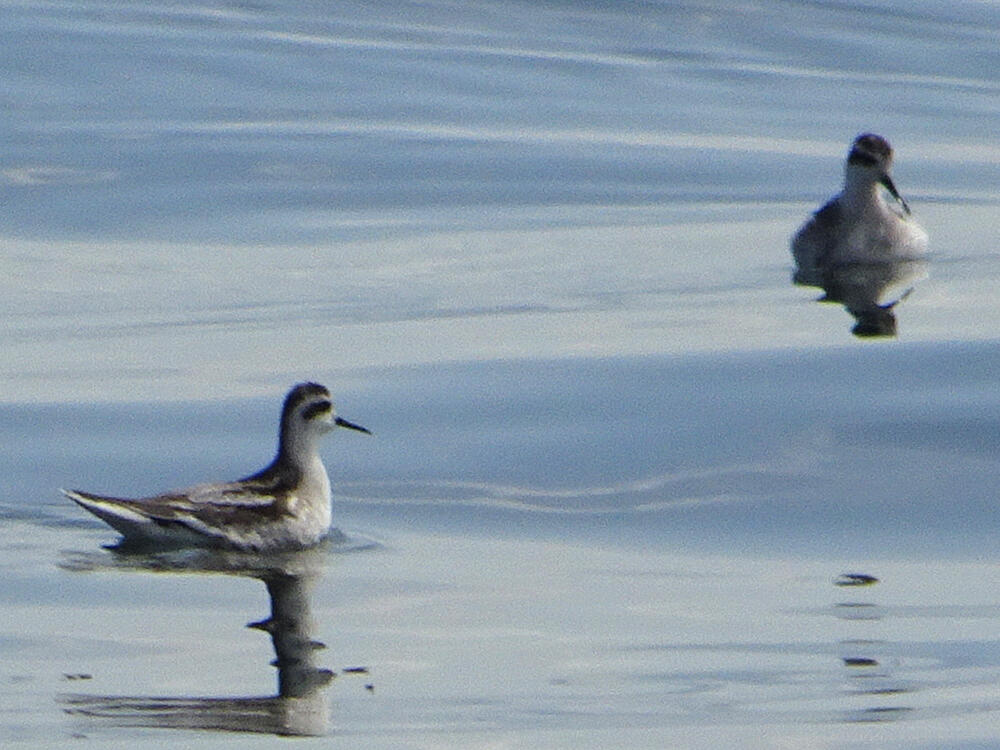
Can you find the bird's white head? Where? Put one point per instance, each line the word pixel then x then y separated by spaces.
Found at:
pixel 868 164
pixel 308 413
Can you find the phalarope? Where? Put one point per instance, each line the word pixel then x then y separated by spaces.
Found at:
pixel 859 225
pixel 286 504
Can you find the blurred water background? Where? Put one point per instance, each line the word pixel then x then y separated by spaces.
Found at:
pixel 629 486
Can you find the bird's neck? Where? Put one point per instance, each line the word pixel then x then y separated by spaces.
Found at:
pixel 300 450
pixel 861 193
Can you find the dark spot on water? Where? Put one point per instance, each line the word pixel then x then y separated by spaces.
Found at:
pixel 860 661
pixel 855 579
pixel 881 713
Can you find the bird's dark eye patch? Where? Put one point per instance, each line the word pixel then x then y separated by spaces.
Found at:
pixel 317 408
pixel 860 157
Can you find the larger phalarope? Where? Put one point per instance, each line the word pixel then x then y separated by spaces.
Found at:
pixel 859 225
pixel 286 504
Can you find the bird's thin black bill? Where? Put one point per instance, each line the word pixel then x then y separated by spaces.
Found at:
pixel 351 426
pixel 891 187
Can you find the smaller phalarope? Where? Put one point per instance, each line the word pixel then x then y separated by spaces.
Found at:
pixel 858 225
pixel 286 504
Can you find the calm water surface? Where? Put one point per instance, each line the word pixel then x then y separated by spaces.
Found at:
pixel 629 486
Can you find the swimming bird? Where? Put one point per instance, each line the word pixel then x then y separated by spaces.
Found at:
pixel 285 505
pixel 858 225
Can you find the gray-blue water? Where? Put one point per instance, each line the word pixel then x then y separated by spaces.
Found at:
pixel 621 464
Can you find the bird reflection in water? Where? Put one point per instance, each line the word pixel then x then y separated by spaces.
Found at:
pixel 862 250
pixel 881 695
pixel 868 291
pixel 300 707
